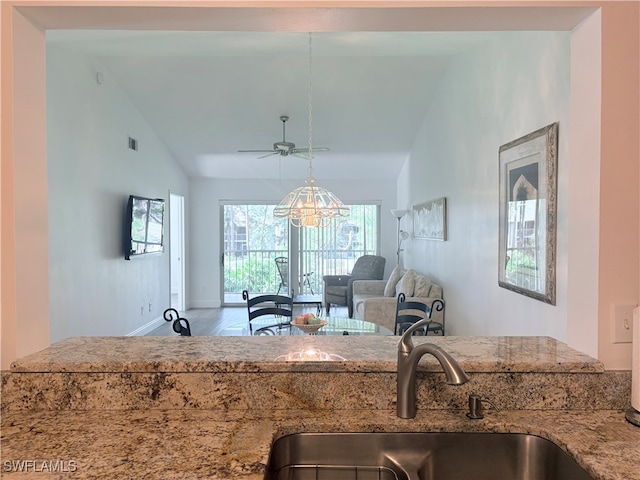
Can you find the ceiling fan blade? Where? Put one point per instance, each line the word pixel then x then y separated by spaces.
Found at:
pixel 315 149
pixel 269 154
pixel 256 151
pixel 302 155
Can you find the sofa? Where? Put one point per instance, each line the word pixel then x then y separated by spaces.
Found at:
pixel 375 300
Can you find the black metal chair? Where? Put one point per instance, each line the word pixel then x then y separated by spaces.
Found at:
pixel 280 307
pixel 282 264
pixel 180 325
pixel 408 313
pixel 438 306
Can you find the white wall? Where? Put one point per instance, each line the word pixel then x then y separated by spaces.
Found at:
pixel 618 228
pixel 503 90
pixel 24 301
pixel 204 260
pixel 584 166
pixel 25 287
pixel 93 290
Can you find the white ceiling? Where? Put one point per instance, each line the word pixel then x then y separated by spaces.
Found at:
pixel 209 94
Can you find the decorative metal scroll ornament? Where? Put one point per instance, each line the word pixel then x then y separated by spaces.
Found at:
pixel 180 325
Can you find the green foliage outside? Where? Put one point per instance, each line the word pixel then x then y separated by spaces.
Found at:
pixel 253 238
pixel 255 275
pixel 521 269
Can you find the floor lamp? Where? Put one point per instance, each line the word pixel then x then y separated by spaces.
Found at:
pixel 401 234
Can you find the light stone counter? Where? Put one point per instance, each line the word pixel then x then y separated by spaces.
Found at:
pixel 209 407
pixel 259 354
pixel 205 444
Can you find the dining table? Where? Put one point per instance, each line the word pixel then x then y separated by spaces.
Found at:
pixel 334 326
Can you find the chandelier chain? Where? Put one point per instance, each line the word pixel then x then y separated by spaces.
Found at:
pixel 310 98
pixel 310 205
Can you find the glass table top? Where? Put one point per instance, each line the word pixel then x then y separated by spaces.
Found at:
pixel 334 326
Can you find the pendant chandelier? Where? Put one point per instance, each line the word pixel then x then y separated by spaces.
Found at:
pixel 310 205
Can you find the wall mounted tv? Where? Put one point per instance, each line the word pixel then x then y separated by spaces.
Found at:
pixel 143 229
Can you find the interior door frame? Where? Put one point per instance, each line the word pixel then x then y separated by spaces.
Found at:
pixel 177 251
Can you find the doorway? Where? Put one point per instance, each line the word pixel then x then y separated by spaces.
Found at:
pixel 176 250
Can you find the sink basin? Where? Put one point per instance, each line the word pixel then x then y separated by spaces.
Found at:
pixel 420 456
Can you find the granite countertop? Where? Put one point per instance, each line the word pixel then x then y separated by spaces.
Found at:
pixel 210 407
pixel 270 354
pixel 198 444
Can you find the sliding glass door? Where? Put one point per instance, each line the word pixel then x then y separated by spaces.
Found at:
pixel 253 240
pixel 333 250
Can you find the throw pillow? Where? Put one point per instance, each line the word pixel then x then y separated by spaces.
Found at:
pixel 436 291
pixel 422 286
pixel 407 283
pixel 390 287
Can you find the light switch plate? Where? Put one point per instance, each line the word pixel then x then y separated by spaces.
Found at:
pixel 622 323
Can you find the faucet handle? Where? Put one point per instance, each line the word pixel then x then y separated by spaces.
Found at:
pixel 475 406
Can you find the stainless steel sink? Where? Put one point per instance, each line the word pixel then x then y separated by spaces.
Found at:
pixel 420 456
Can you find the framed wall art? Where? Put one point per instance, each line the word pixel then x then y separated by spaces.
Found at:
pixel 527 212
pixel 430 219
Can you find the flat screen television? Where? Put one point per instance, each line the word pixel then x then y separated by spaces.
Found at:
pixel 144 224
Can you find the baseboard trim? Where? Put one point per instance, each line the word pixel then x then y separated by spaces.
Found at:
pixel 205 304
pixel 147 327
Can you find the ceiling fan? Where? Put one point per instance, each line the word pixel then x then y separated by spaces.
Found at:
pixel 285 148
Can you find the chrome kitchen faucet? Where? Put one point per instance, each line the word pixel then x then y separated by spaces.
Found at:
pixel 408 358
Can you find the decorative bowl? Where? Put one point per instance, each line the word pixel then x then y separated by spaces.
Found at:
pixel 309 329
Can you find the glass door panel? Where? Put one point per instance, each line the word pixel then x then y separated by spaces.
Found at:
pixel 253 239
pixel 333 250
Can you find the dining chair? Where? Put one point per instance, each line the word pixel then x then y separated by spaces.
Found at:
pixel 408 313
pixel 180 324
pixel 438 306
pixel 280 307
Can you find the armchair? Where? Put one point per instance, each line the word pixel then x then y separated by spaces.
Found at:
pixel 338 289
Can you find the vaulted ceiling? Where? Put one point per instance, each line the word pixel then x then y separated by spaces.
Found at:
pixel 208 94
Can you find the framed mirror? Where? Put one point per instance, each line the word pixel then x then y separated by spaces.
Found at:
pixel 527 212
